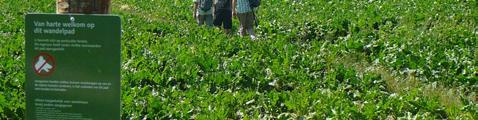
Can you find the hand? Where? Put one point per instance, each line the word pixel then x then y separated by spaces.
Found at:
pixel 234 14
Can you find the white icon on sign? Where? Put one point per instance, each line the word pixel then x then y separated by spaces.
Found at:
pixel 42 65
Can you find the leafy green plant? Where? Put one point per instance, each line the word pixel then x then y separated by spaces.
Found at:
pixel 305 64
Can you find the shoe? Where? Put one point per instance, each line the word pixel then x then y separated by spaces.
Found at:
pixel 253 37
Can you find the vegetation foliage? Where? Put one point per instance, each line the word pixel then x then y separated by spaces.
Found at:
pixel 298 68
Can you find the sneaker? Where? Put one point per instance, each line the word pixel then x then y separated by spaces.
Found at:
pixel 253 37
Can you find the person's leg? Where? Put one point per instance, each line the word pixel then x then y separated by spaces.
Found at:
pixel 250 23
pixel 242 24
pixel 251 33
pixel 208 20
pixel 218 18
pixel 197 20
pixel 227 31
pixel 201 20
pixel 241 29
pixel 227 21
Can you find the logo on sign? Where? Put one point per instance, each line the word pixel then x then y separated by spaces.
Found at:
pixel 44 64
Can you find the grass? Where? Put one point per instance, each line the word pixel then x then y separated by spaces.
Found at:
pixel 450 98
pixel 315 60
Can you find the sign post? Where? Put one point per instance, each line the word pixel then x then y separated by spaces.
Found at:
pixel 72 66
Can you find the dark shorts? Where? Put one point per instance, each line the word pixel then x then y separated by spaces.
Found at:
pixel 223 18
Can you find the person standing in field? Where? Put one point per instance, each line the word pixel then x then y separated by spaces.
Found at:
pixel 223 15
pixel 83 6
pixel 203 12
pixel 244 12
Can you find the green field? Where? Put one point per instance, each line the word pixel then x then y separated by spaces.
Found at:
pixel 314 59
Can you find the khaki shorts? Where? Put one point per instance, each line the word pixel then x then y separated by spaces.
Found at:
pixel 246 20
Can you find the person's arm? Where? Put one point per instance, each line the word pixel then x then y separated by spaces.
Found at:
pixel 213 8
pixel 195 9
pixel 233 6
pixel 214 5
